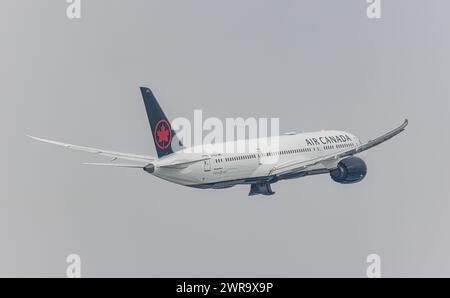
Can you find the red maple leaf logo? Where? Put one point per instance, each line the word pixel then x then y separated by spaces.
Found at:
pixel 163 134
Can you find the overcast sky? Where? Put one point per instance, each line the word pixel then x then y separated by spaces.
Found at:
pixel 314 64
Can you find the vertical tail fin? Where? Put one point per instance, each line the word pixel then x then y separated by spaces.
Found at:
pixel 164 136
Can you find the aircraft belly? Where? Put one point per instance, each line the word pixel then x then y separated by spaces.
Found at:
pixel 184 176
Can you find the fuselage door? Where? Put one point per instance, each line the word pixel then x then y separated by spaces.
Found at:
pixel 259 156
pixel 207 165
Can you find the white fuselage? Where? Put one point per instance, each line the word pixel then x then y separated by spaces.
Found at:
pixel 223 169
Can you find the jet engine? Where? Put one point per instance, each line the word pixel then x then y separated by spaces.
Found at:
pixel 349 170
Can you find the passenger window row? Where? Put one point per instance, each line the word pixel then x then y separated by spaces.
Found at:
pixel 234 158
pixel 250 156
pixel 283 152
pixel 347 145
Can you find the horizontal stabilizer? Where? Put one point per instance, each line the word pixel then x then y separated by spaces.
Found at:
pixel 113 165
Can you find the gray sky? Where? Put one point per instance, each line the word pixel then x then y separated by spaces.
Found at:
pixel 315 64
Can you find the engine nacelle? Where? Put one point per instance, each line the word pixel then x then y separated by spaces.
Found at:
pixel 349 170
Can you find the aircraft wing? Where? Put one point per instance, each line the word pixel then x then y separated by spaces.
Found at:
pixel 330 161
pixel 112 154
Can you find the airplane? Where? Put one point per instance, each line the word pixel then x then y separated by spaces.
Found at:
pixel 333 152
